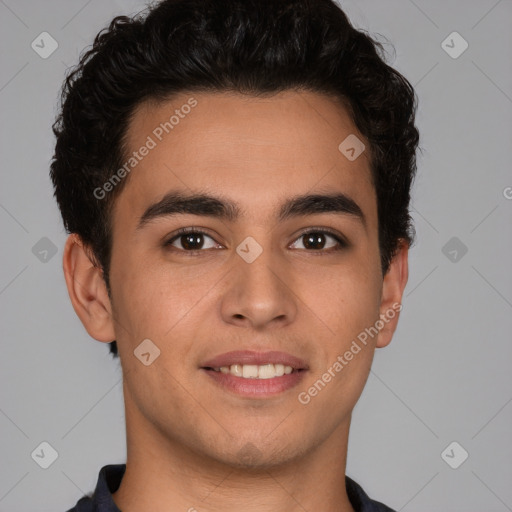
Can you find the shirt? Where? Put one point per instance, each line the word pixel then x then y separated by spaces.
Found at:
pixel 110 477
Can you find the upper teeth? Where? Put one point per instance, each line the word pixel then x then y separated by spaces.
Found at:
pixel 254 371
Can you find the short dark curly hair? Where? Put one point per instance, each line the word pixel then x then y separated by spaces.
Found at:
pixel 254 47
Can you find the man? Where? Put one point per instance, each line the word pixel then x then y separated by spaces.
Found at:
pixel 235 177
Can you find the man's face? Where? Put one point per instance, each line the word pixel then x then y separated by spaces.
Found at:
pixel 299 295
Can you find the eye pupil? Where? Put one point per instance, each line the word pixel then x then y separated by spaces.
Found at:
pixel 190 239
pixel 312 239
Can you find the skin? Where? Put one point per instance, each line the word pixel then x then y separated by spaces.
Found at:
pixel 185 435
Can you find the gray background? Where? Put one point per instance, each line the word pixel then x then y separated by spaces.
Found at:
pixel 445 377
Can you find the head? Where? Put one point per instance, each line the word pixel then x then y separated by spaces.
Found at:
pixel 262 94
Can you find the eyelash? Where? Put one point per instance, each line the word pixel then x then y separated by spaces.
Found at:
pixel 342 243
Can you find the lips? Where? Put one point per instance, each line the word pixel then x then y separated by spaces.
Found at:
pixel 255 375
pixel 247 357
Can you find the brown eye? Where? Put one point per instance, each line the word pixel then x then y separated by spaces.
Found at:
pixel 189 241
pixel 317 240
pixel 192 241
pixel 314 240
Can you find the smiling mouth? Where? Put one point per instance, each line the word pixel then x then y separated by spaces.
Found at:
pixel 254 371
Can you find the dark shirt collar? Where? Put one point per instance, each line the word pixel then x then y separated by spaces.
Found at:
pixel 110 478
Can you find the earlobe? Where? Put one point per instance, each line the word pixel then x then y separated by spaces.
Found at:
pixel 392 291
pixel 87 290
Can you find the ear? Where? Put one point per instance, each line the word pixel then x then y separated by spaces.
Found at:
pixel 392 290
pixel 87 289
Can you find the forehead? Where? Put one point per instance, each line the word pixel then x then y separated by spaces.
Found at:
pixel 256 149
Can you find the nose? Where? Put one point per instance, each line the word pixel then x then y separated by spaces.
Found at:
pixel 259 293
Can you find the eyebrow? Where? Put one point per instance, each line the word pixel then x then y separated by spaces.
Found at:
pixel 177 202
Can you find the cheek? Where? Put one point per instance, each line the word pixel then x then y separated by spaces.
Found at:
pixel 343 299
pixel 151 298
pixel 348 303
